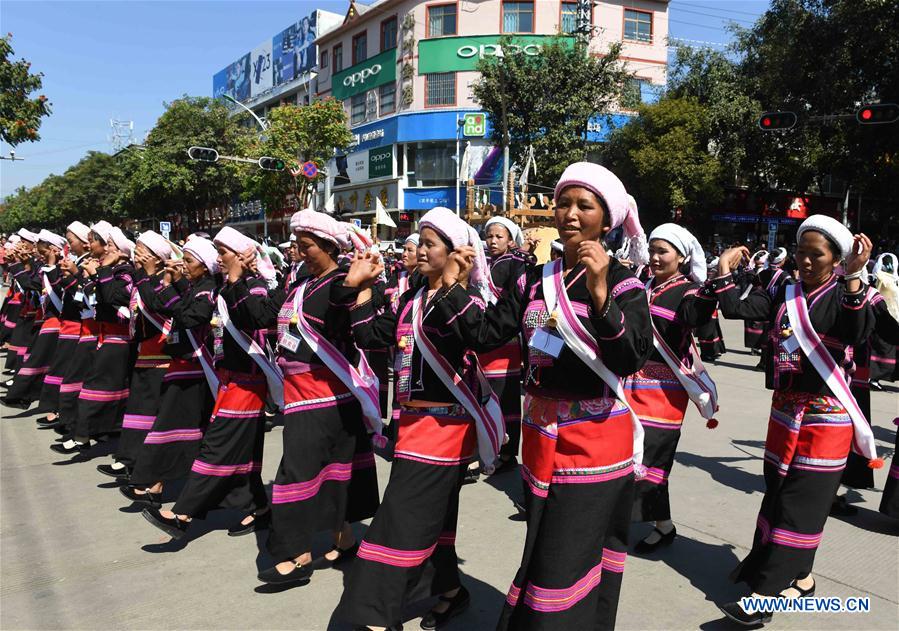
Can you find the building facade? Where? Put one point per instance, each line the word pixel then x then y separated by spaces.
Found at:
pixel 404 69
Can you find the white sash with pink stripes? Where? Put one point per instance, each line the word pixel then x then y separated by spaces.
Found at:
pixel 579 340
pixel 489 422
pixel 360 380
pixel 813 348
pixel 694 379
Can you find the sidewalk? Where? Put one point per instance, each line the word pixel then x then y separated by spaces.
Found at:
pixel 74 555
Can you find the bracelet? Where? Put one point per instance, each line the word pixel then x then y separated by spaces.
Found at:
pixel 855 275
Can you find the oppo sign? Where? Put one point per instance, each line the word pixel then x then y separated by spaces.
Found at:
pixel 361 75
pixel 495 50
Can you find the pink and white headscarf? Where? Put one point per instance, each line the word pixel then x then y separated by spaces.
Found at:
pixel 203 250
pixel 685 243
pixel 123 243
pixel 28 235
pixel 622 207
pixel 156 243
pixel 446 223
pixel 240 243
pixel 53 239
pixel 79 230
pixel 322 226
pixel 102 229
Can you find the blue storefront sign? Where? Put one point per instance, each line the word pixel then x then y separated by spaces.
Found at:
pixel 427 198
pixel 414 127
pixel 601 125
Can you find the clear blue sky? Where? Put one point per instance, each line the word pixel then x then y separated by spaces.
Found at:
pixel 124 60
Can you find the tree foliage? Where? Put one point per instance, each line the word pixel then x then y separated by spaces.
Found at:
pixel 546 100
pixel 162 179
pixel 20 114
pixel 662 157
pixel 295 135
pixel 87 191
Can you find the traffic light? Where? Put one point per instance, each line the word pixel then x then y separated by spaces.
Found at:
pixel 204 154
pixel 777 120
pixel 271 164
pixel 877 113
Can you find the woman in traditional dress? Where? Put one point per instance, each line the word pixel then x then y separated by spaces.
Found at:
pixel 709 335
pixel 754 330
pixel 508 270
pixel 326 479
pixel 441 423
pixel 101 400
pixel 227 472
pixel 29 379
pixel 25 277
pixel 12 304
pixel 886 309
pixel 186 300
pixel 660 391
pixel 586 319
pixel 814 417
pixel 63 277
pixel 148 331
pixel 883 353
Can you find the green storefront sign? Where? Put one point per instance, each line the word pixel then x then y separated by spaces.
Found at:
pixel 452 54
pixel 365 75
pixel 380 162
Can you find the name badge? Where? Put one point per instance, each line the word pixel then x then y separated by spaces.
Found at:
pixel 290 342
pixel 791 344
pixel 546 342
pixel 79 296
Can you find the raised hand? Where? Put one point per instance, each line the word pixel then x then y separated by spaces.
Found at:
pixel 248 260
pixel 68 267
pixel 364 270
pixel 90 266
pixel 731 258
pixel 596 261
pixel 857 259
pixel 458 266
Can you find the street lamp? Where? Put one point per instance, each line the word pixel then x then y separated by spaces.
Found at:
pixel 261 122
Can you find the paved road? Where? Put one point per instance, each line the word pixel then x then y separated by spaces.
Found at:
pixel 75 556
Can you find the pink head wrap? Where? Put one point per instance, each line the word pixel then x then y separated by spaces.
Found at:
pixel 123 243
pixel 53 239
pixel 322 226
pixel 28 235
pixel 458 233
pixel 204 250
pixel 239 243
pixel 156 243
pixel 79 230
pixel 622 207
pixel 102 229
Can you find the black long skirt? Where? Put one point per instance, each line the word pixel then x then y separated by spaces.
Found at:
pixel 327 472
pixel 173 440
pixel 227 472
pixel 20 341
pixel 711 339
pixel 857 473
pixel 76 372
pixel 140 413
pixel 416 522
pixel 29 379
pixel 11 311
pixel 66 343
pixel 805 452
pixel 101 402
pixel 503 370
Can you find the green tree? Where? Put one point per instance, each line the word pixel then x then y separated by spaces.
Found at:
pixel 162 179
pixel 20 114
pixel 663 159
pixel 295 135
pixel 546 100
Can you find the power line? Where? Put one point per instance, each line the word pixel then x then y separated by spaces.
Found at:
pixel 708 8
pixel 717 17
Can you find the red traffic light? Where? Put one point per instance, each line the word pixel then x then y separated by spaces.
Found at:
pixel 877 114
pixel 777 120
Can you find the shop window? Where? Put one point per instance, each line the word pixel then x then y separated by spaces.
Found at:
pixel 357 108
pixel 441 89
pixel 388 34
pixel 518 17
pixel 387 98
pixel 360 48
pixel 434 164
pixel 338 58
pixel 441 20
pixel 637 26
